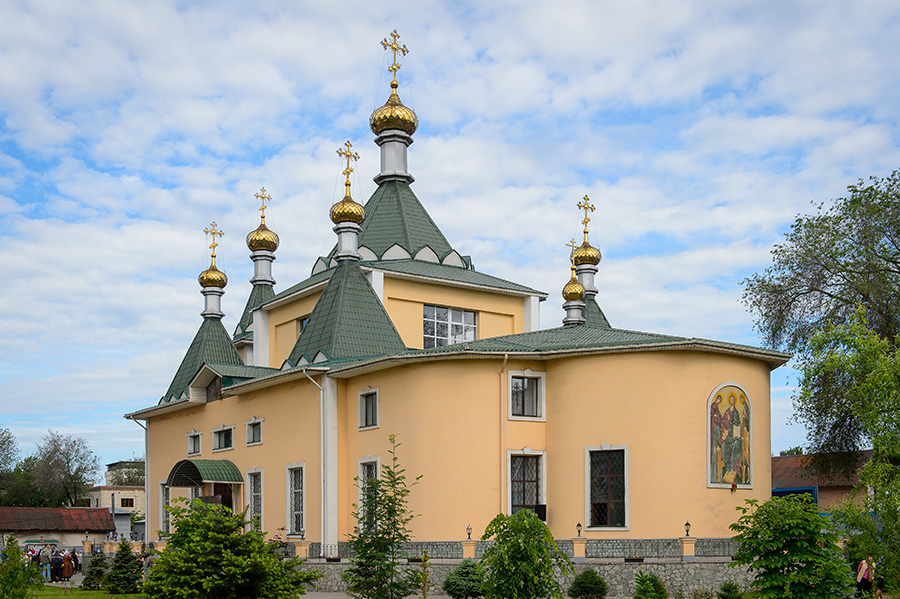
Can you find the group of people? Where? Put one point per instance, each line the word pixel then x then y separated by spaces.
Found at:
pixel 56 565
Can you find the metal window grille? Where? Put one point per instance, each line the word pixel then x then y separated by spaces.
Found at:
pixel 166 498
pixel 446 326
pixel 525 397
pixel 608 488
pixel 296 500
pixel 255 504
pixel 525 485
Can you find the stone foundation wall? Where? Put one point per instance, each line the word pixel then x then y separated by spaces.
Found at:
pixel 675 574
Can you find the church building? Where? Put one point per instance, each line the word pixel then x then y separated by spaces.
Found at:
pixel 628 434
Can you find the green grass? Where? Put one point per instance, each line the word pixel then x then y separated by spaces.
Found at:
pixel 49 591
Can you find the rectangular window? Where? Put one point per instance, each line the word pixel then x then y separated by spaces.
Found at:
pixel 295 501
pixel 165 498
pixel 368 409
pixel 525 482
pixel 196 492
pixel 368 471
pixel 223 439
pixel 254 432
pixel 128 502
pixel 608 487
pixel 193 441
pixel 254 499
pixel 446 326
pixel 526 395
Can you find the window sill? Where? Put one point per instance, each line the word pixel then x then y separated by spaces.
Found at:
pixel 528 418
pixel 607 528
pixel 190 455
pixel 223 449
pixel 369 428
pixel 254 444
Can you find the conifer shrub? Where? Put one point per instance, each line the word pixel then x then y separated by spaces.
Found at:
pixel 95 572
pixel 588 585
pixel 126 573
pixel 729 590
pixel 649 586
pixel 464 581
pixel 18 577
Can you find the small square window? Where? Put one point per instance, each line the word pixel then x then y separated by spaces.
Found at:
pixel 223 439
pixel 193 441
pixel 526 395
pixel 254 433
pixel 128 502
pixel 368 409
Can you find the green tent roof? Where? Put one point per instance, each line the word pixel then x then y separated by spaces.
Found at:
pixel 259 295
pixel 193 473
pixel 211 344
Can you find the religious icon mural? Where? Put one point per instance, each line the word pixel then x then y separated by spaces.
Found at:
pixel 729 437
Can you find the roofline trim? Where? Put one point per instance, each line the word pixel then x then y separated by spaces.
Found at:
pixel 277 302
pixel 450 283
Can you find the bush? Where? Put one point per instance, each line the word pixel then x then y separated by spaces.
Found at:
pixel 18 577
pixel 729 590
pixel 96 571
pixel 649 586
pixel 464 581
pixel 522 560
pixel 126 573
pixel 588 585
pixel 211 554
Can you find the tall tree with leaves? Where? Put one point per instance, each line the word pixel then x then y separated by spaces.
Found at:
pixel 9 450
pixel 791 549
pixel 520 564
pixel 64 467
pixel 845 255
pixel 382 528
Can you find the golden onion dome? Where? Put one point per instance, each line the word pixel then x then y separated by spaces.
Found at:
pixel 213 277
pixel 262 238
pixel 573 290
pixel 347 210
pixel 586 254
pixel 393 115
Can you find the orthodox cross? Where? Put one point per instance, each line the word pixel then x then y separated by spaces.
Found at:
pixel 572 246
pixel 349 155
pixel 213 231
pixel 586 206
pixel 394 47
pixel 263 197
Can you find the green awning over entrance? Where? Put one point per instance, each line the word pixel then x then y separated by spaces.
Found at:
pixel 193 473
pixel 42 542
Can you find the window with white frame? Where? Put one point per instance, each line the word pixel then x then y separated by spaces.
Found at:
pixel 193 443
pixel 606 479
pixel 164 500
pixel 368 408
pixel 254 431
pixel 254 499
pixel 295 515
pixel 525 482
pixel 368 471
pixel 527 395
pixel 223 438
pixel 446 326
pixel 196 492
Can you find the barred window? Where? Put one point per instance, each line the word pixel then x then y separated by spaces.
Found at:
pixel 164 513
pixel 607 488
pixel 254 503
pixel 446 326
pixel 295 497
pixel 525 482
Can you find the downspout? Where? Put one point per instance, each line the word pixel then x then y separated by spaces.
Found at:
pixel 321 460
pixel 502 436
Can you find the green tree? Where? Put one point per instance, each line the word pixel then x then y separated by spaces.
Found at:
pixel 791 549
pixel 796 450
pixel 649 586
pixel 588 585
pixel 95 571
pixel 18 577
pixel 382 528
pixel 729 590
pixel 520 563
pixel 126 573
pixel 209 554
pixel 9 450
pixel 64 466
pixel 845 255
pixel 870 365
pixel 464 581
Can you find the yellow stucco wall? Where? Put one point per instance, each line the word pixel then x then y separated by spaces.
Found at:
pixel 284 326
pixel 403 300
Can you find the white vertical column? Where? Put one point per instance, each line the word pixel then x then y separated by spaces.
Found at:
pixel 329 459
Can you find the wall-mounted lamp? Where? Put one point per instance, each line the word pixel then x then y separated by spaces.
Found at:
pixel 578 528
pixel 687 529
pixel 302 534
pixel 469 531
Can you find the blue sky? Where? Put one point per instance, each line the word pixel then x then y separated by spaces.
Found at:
pixel 698 129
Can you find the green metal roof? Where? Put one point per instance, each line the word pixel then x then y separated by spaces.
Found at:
pixel 304 284
pixel 193 473
pixel 394 216
pixel 593 315
pixel 347 321
pixel 259 295
pixel 211 344
pixel 453 274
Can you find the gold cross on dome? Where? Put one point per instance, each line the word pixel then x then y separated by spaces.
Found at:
pixel 213 231
pixel 394 47
pixel 349 155
pixel 263 197
pixel 571 245
pixel 586 206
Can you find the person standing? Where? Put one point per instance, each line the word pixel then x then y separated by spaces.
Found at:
pixel 865 574
pixel 46 560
